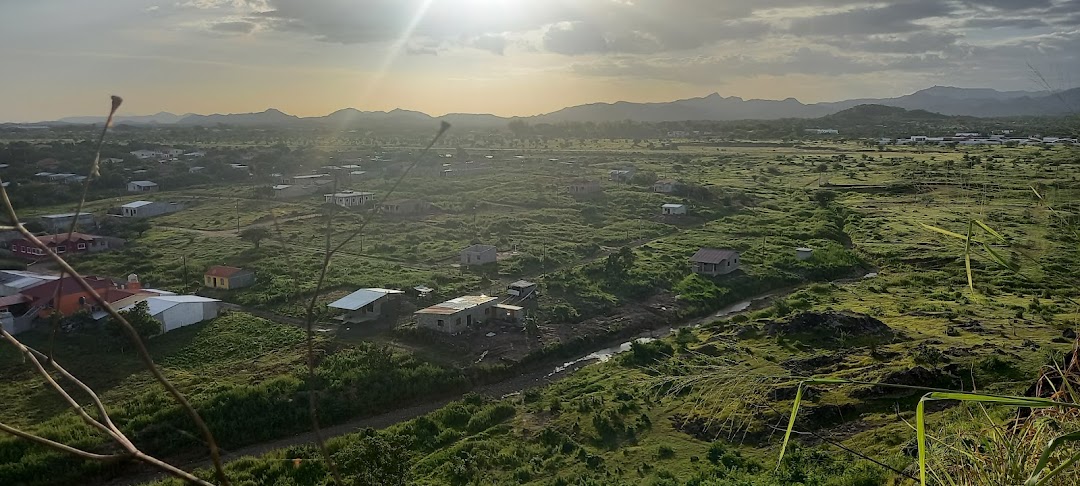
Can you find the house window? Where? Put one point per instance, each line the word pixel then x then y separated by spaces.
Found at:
pixel 61 249
pixel 82 246
pixel 487 311
pixel 82 300
pixel 441 323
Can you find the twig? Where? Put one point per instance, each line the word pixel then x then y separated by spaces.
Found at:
pixel 310 314
pixel 143 353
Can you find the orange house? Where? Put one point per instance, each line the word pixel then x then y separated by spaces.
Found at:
pixel 72 298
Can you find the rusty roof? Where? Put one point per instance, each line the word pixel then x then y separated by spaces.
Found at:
pixel 453 306
pixel 222 271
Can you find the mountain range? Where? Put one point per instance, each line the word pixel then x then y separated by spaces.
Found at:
pixel 976 102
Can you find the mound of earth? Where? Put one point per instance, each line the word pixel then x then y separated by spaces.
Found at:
pixel 917 376
pixel 830 324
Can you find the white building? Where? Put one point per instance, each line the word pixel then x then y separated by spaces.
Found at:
pixel 142 186
pixel 62 222
pixel 146 209
pixel 822 131
pixel 350 199
pixel 673 209
pixel 176 311
pixel 146 154
pixel 804 253
pixel 714 261
pixel 457 315
pixel 479 255
pixel 665 186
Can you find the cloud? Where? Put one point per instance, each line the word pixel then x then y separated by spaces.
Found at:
pixel 575 38
pixel 893 18
pixel 234 27
pixel 494 43
pixel 993 23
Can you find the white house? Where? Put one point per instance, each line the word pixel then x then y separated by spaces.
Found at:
pixel 176 311
pixel 303 179
pixel 804 253
pixel 285 191
pixel 478 255
pixel 367 304
pixel 822 131
pixel 146 154
pixel 621 175
pixel 714 261
pixel 350 199
pixel 62 222
pixel 142 186
pixel 146 209
pixel 673 209
pixel 457 315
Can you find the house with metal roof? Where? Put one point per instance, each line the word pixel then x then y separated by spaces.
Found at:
pixel 479 255
pixel 367 304
pixel 521 288
pixel 146 209
pixel 457 315
pixel 714 261
pixel 176 311
pixel 673 209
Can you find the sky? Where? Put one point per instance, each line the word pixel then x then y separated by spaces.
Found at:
pixel 513 57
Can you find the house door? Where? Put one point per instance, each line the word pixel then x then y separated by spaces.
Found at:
pixel 468 320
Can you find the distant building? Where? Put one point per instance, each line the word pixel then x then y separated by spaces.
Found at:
pixel 195 170
pixel 176 311
pixel 350 199
pixel 13 282
pixel 146 209
pixel 60 244
pixel 521 288
pixel 67 297
pixel 714 261
pixel 821 131
pixel 367 304
pixel 146 154
pixel 286 191
pixel 583 187
pixel 457 315
pixel 673 209
pixel 62 222
pixel 142 186
pixel 228 278
pixel 479 255
pixel 804 253
pixel 621 175
pixel 405 207
pixel 303 179
pixel 665 186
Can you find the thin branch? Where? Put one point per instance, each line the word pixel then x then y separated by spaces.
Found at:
pixel 310 314
pixel 61 447
pixel 133 335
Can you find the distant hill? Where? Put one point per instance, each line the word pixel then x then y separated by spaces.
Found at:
pixel 975 102
pixel 876 114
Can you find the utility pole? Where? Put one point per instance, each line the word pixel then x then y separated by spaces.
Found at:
pixel 237 216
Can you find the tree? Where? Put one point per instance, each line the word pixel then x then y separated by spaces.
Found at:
pixel 255 235
pixel 139 226
pixel 139 317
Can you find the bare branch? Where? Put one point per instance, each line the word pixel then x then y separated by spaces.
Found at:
pixel 64 448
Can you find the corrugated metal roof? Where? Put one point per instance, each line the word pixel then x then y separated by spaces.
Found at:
pixel 453 306
pixel 136 204
pixel 360 298
pixel 479 248
pixel 522 284
pixel 673 206
pixel 508 307
pixel 713 255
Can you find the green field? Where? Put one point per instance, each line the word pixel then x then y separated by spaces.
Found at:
pixel 602 262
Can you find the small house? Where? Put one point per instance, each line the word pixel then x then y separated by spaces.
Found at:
pixel 146 209
pixel 478 255
pixel 350 199
pixel 228 278
pixel 457 315
pixel 405 207
pixel 583 187
pixel 146 154
pixel 304 179
pixel 621 175
pixel 673 209
pixel 62 244
pixel 62 222
pixel 196 169
pixel 714 261
pixel 286 191
pixel 804 253
pixel 13 282
pixel 665 186
pixel 67 297
pixel 521 288
pixel 367 304
pixel 142 186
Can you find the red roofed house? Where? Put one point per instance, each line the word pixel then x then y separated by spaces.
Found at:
pixel 72 297
pixel 60 244
pixel 222 277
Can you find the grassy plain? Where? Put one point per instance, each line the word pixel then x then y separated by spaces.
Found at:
pixel 860 209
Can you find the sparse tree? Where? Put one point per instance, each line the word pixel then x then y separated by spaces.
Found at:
pixel 255 235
